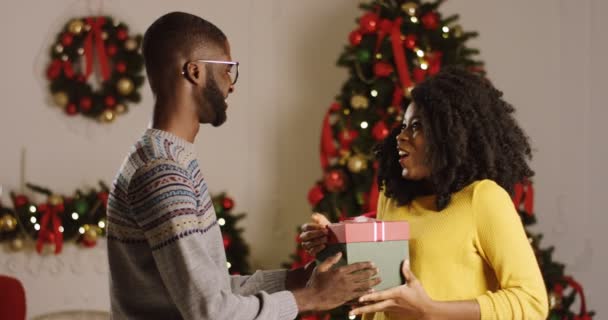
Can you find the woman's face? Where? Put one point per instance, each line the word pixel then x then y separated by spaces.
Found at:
pixel 411 146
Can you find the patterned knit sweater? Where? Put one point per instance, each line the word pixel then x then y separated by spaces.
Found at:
pixel 165 248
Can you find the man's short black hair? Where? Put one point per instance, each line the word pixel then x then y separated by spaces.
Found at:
pixel 173 37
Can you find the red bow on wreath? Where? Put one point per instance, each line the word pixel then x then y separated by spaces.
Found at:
pixel 96 35
pixel 57 66
pixel 50 234
pixel 524 192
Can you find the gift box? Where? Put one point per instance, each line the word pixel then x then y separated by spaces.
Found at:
pixel 385 243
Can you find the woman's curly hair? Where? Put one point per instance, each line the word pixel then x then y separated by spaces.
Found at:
pixel 470 135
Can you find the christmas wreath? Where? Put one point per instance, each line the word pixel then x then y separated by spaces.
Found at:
pixel 100 47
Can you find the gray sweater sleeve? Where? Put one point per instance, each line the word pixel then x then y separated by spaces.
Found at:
pixel 270 281
pixel 186 246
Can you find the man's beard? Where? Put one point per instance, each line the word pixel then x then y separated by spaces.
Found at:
pixel 214 103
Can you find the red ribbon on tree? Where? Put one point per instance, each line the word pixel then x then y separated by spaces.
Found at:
pixel 394 28
pixel 399 55
pixel 583 314
pixel 50 214
pixel 328 148
pixel 95 35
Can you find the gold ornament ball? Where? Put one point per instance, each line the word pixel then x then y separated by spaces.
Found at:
pixel 76 26
pixel 8 223
pixel 120 108
pixel 131 44
pixel 125 86
pixel 359 102
pixel 357 163
pixel 59 48
pixel 107 116
pixel 61 99
pixel 17 244
pixel 55 200
pixel 104 35
pixel 90 235
pixel 409 8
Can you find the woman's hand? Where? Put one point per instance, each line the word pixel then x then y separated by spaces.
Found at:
pixel 409 300
pixel 314 234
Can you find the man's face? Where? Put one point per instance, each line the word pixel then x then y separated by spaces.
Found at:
pixel 211 100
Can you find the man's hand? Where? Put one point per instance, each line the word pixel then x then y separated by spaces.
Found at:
pixel 314 234
pixel 331 287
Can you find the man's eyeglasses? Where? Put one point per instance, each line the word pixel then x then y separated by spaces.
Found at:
pixel 233 70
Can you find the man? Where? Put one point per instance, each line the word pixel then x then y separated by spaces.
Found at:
pixel 165 248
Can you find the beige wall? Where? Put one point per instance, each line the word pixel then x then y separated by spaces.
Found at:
pixel 546 55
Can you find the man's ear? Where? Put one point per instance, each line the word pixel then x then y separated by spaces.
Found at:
pixel 194 73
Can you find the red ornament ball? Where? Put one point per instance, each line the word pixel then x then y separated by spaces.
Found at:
pixel 430 20
pixel 89 243
pixel 67 39
pixel 112 50
pixel 334 181
pixel 346 137
pixel 20 201
pixel 228 203
pixel 336 106
pixel 109 101
pixel 315 195
pixel 85 104
pixel 121 67
pixel 369 22
pixel 383 69
pixel 227 240
pixel 380 131
pixel 71 109
pixel 122 35
pixel 386 25
pixel 410 41
pixel 355 37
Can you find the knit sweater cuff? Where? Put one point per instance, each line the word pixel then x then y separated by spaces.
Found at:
pixel 286 303
pixel 274 280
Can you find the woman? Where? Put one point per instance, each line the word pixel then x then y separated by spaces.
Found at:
pixel 448 171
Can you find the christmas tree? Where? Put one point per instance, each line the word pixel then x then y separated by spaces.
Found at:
pixel 397 44
pixel 237 250
pixel 81 218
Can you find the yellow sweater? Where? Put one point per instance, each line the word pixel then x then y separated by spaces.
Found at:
pixel 476 248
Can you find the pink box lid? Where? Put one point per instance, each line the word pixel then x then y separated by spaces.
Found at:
pixel 369 231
